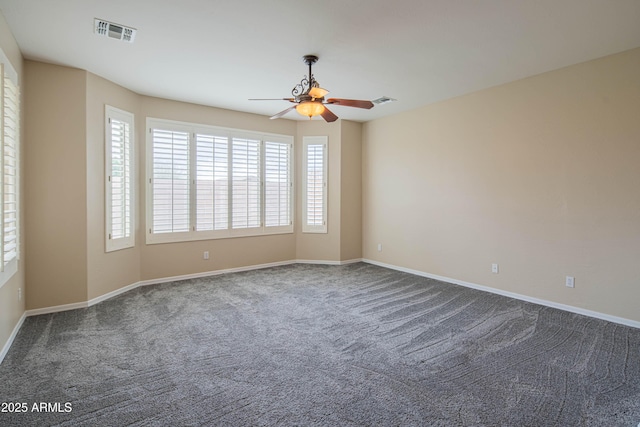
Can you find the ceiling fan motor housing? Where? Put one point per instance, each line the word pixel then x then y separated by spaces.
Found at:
pixel 310 59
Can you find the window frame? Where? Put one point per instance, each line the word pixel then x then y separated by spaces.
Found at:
pixel 194 130
pixel 116 244
pixel 10 268
pixel 306 142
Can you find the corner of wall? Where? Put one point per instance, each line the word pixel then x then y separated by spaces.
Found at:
pixel 351 191
pixel 108 271
pixel 55 160
pixel 13 292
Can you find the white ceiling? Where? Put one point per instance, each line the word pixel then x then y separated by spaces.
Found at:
pixel 222 52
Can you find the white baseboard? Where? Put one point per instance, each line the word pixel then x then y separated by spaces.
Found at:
pixel 127 288
pixel 565 307
pixel 112 294
pixel 240 269
pixel 16 329
pixel 109 295
pixel 552 304
pixel 57 308
pixel 327 262
pixel 214 273
pixel 65 307
pixel 94 301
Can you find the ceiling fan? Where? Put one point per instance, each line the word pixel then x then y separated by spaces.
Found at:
pixel 309 98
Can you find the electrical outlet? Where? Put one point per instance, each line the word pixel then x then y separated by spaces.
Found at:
pixel 19 294
pixel 205 255
pixel 570 282
pixel 494 268
pixel 379 247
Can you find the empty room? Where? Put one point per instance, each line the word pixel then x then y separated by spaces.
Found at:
pixel 334 213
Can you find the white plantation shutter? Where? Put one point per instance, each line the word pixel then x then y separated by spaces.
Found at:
pixel 170 181
pixel 9 170
pixel 2 178
pixel 315 185
pixel 119 191
pixel 245 185
pixel 120 180
pixel 10 199
pixel 212 182
pixel 208 182
pixel 278 184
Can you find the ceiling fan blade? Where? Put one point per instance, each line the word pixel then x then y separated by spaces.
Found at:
pixel 282 113
pixel 350 103
pixel 273 99
pixel 328 116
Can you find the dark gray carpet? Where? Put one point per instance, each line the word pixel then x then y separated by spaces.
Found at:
pixel 322 345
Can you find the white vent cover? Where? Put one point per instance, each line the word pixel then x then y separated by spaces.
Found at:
pixel 383 100
pixel 114 31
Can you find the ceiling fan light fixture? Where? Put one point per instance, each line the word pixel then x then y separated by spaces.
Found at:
pixel 317 92
pixel 310 108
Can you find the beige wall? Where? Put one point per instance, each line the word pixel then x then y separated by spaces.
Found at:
pixel 55 184
pixel 110 271
pixel 11 309
pixel 83 270
pixel 537 175
pixel 174 259
pixel 343 241
pixel 351 191
pixel 66 118
pixel 540 175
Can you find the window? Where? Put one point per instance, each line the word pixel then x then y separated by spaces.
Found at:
pixel 315 185
pixel 208 182
pixel 9 170
pixel 119 190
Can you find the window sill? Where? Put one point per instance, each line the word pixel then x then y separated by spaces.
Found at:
pixel 160 238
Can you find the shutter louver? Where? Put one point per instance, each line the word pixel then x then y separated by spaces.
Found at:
pixel 277 177
pixel 245 183
pixel 120 179
pixel 170 181
pixel 10 131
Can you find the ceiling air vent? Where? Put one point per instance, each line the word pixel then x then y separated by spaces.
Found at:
pixel 383 100
pixel 114 31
